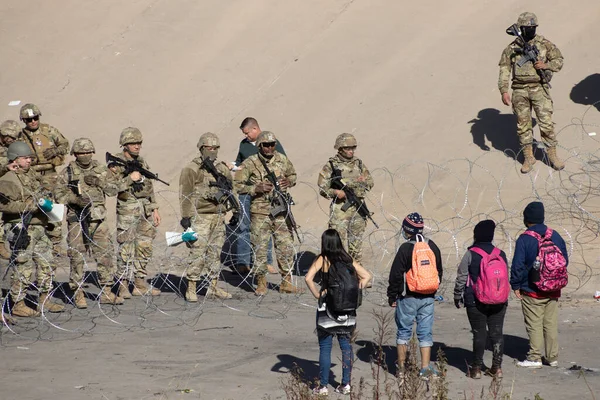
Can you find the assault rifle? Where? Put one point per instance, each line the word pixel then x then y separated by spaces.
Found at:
pixel 529 53
pixel 18 239
pixel 223 184
pixel 282 201
pixel 351 197
pixel 84 215
pixel 132 165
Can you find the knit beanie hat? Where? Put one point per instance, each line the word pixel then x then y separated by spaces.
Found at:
pixel 484 231
pixel 413 224
pixel 534 213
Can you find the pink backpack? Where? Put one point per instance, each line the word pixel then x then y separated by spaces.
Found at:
pixel 553 265
pixel 492 286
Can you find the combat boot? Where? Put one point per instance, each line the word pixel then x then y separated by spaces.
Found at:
pixel 556 162
pixel 287 287
pixel 529 159
pixel 79 299
pixel 46 303
pixel 123 291
pixel 214 292
pixel 261 285
pixel 4 252
pixel 190 293
pixel 140 288
pixel 108 297
pixel 20 309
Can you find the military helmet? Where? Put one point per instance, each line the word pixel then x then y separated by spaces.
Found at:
pixel 83 145
pixel 130 135
pixel 345 140
pixel 208 139
pixel 265 137
pixel 10 128
pixel 29 111
pixel 18 149
pixel 527 19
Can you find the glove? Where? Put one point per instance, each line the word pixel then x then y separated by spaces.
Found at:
pixel 186 222
pixel 263 187
pixel 80 201
pixel 137 187
pixel 50 153
pixel 458 302
pixel 92 180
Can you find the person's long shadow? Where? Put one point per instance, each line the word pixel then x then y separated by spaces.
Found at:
pixel 368 353
pixel 308 370
pixel 587 92
pixel 516 347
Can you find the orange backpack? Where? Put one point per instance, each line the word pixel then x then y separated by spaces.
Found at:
pixel 423 276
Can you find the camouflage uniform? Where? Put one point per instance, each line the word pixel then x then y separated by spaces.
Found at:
pixel 263 225
pixel 20 192
pixel 528 89
pixel 8 129
pixel 349 224
pixel 135 226
pixel 44 138
pixel 71 187
pixel 199 203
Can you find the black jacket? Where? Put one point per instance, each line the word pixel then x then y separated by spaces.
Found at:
pixel 402 263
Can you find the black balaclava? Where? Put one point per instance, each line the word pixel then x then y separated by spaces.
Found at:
pixel 528 32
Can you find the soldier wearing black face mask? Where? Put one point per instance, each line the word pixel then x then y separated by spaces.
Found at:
pixel 531 89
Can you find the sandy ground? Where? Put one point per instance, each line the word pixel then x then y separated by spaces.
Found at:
pixel 414 81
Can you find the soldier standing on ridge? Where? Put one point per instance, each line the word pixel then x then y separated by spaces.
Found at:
pixel 349 223
pixel 137 218
pixel 203 210
pixel 252 179
pixel 531 89
pixel 25 227
pixel 50 148
pixel 83 187
pixel 9 131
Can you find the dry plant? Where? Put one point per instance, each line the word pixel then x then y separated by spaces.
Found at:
pixel 294 386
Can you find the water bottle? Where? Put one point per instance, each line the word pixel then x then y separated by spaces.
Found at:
pixel 537 264
pixel 45 205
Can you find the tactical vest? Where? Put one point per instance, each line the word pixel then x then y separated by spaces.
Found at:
pixel 39 141
pixel 527 73
pixel 75 175
pixel 201 186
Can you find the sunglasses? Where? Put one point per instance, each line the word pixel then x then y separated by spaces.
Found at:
pixel 270 144
pixel 349 148
pixel 28 120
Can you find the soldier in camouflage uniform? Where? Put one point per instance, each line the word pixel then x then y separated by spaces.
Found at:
pixel 530 90
pixel 20 190
pixel 252 179
pixel 349 224
pixel 9 131
pixel 50 148
pixel 203 211
pixel 83 187
pixel 137 218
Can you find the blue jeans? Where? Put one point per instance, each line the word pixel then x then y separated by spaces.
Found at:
pixel 243 247
pixel 325 344
pixel 409 310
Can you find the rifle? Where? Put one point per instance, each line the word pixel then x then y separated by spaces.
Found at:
pixel 282 201
pixel 223 184
pixel 18 240
pixel 351 198
pixel 84 214
pixel 132 165
pixel 529 53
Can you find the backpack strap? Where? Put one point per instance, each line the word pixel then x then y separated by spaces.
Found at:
pixel 548 234
pixel 533 234
pixel 479 251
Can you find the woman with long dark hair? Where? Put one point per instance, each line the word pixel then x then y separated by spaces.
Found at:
pixel 329 323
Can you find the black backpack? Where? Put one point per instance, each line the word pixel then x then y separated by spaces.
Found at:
pixel 343 293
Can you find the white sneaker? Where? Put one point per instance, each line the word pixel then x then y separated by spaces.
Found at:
pixel 529 364
pixel 321 391
pixel 553 363
pixel 343 389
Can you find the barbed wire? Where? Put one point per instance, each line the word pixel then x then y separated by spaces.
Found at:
pixel 452 197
